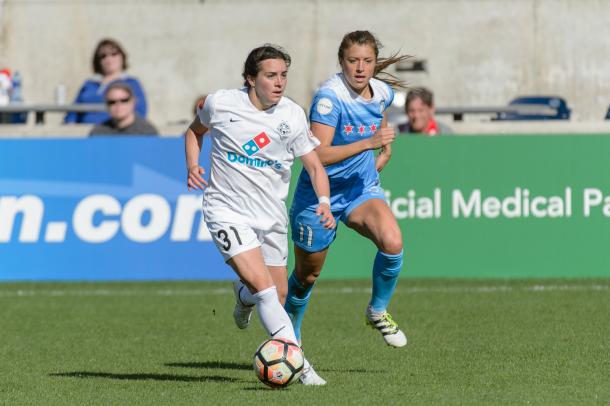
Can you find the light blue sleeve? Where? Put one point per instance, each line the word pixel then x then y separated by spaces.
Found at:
pixel 325 108
pixel 390 98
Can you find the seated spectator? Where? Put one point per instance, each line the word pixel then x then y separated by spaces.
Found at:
pixel 109 64
pixel 121 101
pixel 419 106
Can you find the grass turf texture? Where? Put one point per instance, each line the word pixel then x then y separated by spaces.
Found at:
pixel 470 342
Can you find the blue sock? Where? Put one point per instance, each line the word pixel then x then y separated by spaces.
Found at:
pixel 385 275
pixel 296 303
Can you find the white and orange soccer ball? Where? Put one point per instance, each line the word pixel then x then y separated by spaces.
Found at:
pixel 278 362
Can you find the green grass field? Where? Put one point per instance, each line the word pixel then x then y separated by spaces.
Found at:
pixel 544 342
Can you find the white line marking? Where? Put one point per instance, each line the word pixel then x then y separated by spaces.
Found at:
pixel 320 290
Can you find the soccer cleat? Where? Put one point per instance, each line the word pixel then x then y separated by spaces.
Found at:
pixel 383 322
pixel 242 312
pixel 309 376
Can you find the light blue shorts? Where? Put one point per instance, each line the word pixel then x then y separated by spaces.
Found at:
pixel 307 231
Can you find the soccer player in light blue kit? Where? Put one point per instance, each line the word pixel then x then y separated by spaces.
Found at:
pixel 347 116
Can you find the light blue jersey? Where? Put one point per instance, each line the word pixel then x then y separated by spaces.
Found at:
pixel 354 118
pixel 353 180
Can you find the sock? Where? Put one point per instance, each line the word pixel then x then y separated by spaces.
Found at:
pixel 385 275
pixel 273 316
pixel 245 296
pixel 296 303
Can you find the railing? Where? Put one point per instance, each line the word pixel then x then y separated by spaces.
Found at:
pixel 458 112
pixel 41 109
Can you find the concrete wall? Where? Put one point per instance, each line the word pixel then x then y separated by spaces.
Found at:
pixel 478 52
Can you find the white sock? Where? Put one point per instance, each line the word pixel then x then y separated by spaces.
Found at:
pixel 245 295
pixel 273 316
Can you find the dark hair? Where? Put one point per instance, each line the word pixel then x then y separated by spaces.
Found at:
pixel 119 84
pixel 367 38
pixel 421 93
pixel 97 59
pixel 258 55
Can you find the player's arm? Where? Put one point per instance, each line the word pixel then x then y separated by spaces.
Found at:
pixel 385 152
pixel 331 154
pixel 319 180
pixel 193 139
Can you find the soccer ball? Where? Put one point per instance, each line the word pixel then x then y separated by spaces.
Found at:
pixel 278 362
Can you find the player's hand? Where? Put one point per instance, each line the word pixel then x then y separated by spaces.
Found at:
pixel 382 159
pixel 195 180
pixel 326 216
pixel 382 137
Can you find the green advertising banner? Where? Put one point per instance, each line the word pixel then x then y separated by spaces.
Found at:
pixel 493 207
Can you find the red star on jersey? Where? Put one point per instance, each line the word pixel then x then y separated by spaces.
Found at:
pixel 361 129
pixel 373 127
pixel 348 129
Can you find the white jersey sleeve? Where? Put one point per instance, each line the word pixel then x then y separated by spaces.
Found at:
pixel 205 111
pixel 304 141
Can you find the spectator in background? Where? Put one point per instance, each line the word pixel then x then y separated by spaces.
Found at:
pixel 197 103
pixel 121 101
pixel 109 64
pixel 419 106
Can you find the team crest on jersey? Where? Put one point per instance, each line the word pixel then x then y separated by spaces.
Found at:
pixel 283 128
pixel 256 144
pixel 324 106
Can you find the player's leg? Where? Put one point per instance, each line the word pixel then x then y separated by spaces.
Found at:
pixel 307 268
pixel 374 220
pixel 231 240
pixel 251 269
pixel 311 241
pixel 274 246
pixel 279 274
pixel 244 304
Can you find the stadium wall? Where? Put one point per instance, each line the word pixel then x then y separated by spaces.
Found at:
pixel 469 207
pixel 477 52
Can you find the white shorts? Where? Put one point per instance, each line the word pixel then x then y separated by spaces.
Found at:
pixel 232 239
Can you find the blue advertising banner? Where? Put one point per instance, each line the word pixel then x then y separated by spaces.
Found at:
pixel 102 208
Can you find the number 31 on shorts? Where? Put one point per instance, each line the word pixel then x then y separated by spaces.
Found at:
pixel 232 239
pixel 223 235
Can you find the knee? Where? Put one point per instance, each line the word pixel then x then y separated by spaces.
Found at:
pixel 392 243
pixel 309 277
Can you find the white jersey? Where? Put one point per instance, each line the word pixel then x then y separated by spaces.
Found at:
pixel 252 153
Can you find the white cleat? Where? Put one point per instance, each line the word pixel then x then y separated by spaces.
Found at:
pixel 242 312
pixel 392 335
pixel 309 375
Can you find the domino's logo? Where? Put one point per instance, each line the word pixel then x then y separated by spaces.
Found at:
pixel 252 147
pixel 256 144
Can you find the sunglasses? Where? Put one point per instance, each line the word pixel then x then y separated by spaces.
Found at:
pixel 105 55
pixel 115 101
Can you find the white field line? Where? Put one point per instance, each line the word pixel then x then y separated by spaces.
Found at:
pixel 320 290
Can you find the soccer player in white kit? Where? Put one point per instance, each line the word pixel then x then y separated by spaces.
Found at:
pixel 256 135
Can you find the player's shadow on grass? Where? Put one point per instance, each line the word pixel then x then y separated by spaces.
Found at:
pixel 352 371
pixel 211 365
pixel 145 377
pixel 248 367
